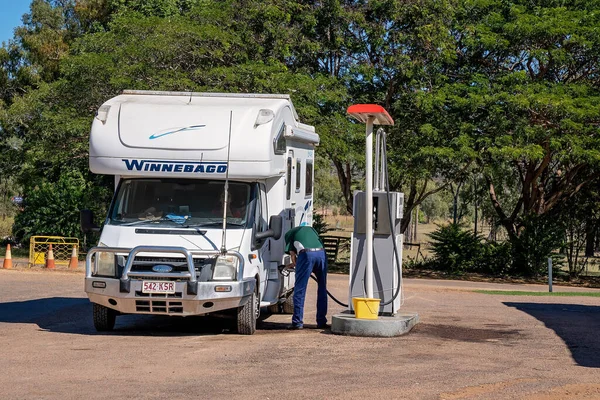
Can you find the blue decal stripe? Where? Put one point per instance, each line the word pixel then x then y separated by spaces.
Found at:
pixel 187 128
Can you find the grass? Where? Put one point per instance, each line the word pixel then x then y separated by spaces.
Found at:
pixel 555 294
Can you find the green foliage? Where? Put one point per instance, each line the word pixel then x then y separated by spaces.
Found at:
pixel 496 259
pixel 319 224
pixel 458 250
pixel 540 236
pixel 435 207
pixel 506 90
pixel 53 208
pixel 6 227
pixel 327 185
pixel 455 249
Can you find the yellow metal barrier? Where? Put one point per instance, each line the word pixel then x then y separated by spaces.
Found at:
pixel 62 247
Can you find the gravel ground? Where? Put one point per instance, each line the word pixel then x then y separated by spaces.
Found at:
pixel 466 346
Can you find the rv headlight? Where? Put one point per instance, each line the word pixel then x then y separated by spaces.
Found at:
pixel 105 264
pixel 225 268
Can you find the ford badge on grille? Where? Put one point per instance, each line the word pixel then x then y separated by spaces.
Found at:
pixel 162 268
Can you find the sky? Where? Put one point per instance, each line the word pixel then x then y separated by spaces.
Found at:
pixel 10 16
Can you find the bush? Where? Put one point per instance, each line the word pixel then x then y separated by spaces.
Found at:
pixel 496 258
pixel 539 236
pixel 52 208
pixel 319 224
pixel 455 248
pixel 6 226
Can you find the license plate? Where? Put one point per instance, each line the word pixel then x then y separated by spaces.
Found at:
pixel 158 287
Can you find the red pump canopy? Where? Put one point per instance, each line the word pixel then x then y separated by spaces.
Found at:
pixel 362 112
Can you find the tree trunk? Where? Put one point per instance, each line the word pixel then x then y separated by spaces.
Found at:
pixel 415 233
pixel 475 201
pixel 456 198
pixel 590 237
pixel 344 174
pixel 505 221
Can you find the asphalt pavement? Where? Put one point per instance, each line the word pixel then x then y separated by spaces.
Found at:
pixel 467 345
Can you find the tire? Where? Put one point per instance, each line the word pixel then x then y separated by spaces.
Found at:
pixel 247 315
pixel 288 304
pixel 275 308
pixel 104 318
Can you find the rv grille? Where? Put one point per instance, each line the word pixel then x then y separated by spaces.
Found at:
pixel 159 306
pixel 176 295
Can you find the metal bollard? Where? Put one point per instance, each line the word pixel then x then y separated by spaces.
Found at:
pixel 550 274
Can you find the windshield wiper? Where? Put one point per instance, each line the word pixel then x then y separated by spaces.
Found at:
pixel 149 221
pixel 214 223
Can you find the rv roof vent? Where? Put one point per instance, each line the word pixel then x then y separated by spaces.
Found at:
pixel 102 113
pixel 264 116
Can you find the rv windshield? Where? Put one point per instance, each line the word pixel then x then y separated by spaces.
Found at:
pixel 179 202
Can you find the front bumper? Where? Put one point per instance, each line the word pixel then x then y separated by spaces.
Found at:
pixel 180 303
pixel 191 297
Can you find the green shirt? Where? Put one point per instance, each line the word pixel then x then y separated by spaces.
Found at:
pixel 306 235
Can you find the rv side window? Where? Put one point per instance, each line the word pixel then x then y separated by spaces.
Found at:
pixel 288 179
pixel 309 178
pixel 279 142
pixel 298 175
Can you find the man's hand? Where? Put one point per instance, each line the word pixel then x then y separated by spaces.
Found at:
pixel 293 257
pixel 288 268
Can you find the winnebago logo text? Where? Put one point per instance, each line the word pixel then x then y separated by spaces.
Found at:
pixel 176 166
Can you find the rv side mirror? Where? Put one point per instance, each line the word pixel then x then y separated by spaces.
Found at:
pixel 86 219
pixel 274 231
pixel 276 225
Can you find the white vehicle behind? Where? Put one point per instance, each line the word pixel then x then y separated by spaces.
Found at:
pixel 163 249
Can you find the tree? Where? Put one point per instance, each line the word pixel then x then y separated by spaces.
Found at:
pixel 526 99
pixel 53 208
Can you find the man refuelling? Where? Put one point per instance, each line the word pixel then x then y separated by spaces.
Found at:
pixel 302 243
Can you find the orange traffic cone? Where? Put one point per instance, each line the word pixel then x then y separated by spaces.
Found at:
pixel 74 262
pixel 50 259
pixel 8 258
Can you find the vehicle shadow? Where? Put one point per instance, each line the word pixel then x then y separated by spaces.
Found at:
pixel 577 325
pixel 74 316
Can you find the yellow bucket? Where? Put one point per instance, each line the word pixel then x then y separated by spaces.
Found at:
pixel 365 308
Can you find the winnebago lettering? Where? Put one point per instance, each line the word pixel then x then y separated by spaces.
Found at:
pixel 176 166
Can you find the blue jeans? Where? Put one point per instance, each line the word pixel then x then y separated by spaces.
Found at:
pixel 306 263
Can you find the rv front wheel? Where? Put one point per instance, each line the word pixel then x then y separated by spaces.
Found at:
pixel 275 308
pixel 247 316
pixel 104 318
pixel 288 304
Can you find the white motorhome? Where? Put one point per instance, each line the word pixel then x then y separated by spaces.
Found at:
pixel 164 247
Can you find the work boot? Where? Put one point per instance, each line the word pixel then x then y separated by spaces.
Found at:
pixel 294 327
pixel 323 326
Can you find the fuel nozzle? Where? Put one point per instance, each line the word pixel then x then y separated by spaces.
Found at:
pixel 286 269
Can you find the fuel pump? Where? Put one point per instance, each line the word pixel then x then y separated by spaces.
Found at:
pixel 376 246
pixel 387 238
pixel 387 273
